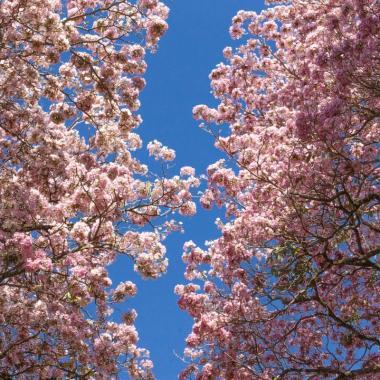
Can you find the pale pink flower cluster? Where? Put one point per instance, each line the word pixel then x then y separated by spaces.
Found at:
pixel 123 290
pixel 187 171
pixel 70 80
pixel 160 152
pixel 147 252
pixel 289 285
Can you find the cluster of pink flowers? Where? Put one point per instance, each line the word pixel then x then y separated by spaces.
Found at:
pixel 160 152
pixel 288 289
pixel 70 83
pixel 290 283
pixel 124 289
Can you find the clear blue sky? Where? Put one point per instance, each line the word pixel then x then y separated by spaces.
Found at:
pixel 177 80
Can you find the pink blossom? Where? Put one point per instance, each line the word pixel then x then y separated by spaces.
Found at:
pixel 71 185
pixel 287 284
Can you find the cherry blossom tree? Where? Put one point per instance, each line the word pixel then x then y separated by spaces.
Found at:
pixel 73 196
pixel 290 288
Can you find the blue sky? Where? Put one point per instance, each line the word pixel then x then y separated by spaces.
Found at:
pixel 177 80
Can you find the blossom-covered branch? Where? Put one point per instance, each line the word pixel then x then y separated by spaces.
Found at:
pixel 290 287
pixel 72 195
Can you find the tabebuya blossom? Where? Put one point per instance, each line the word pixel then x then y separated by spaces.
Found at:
pixel 158 151
pixel 124 289
pixel 73 196
pixel 187 171
pixel 291 283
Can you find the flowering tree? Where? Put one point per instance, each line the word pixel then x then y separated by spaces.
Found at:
pixel 291 285
pixel 73 197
